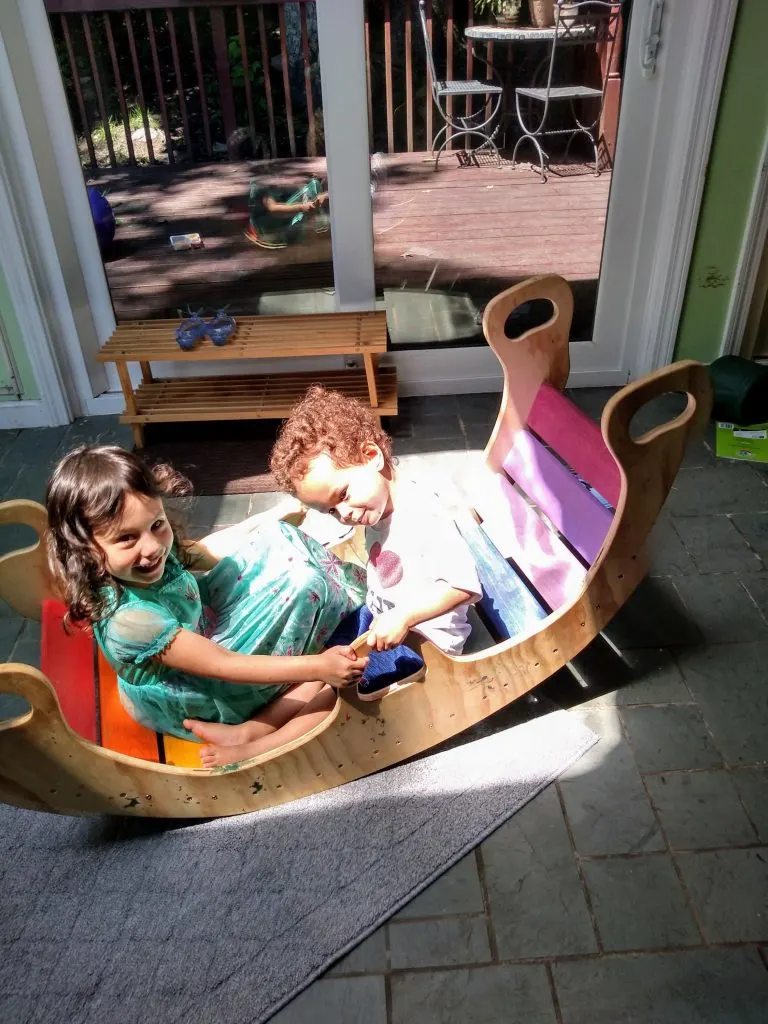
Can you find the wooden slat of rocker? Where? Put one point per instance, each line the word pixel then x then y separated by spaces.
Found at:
pixel 576 513
pixel 519 533
pixel 256 337
pixel 124 734
pixel 507 604
pixel 182 753
pixel 577 439
pixel 67 660
pixel 119 731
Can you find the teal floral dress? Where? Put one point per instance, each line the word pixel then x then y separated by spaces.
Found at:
pixel 282 593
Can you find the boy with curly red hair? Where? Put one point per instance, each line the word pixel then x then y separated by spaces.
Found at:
pixel 333 455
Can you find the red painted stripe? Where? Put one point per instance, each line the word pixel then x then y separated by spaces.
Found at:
pixel 67 660
pixel 577 439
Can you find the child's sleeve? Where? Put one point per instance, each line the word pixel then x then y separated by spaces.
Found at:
pixel 137 632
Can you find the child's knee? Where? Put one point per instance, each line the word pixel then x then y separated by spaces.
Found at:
pixel 326 699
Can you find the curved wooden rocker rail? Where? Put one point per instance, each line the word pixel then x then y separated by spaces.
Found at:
pixel 44 765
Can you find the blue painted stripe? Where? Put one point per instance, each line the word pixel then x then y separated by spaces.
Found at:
pixel 507 604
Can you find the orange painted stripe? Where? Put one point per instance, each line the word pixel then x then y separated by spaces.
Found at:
pixel 182 753
pixel 119 731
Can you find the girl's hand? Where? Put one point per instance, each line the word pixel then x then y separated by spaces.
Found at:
pixel 388 630
pixel 340 666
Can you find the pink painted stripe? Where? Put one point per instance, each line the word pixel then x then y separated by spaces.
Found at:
pixel 574 511
pixel 518 533
pixel 577 439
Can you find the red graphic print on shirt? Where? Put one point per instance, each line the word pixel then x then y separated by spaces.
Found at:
pixel 387 565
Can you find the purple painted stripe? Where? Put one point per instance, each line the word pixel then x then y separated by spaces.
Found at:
pixel 572 509
pixel 517 531
pixel 577 439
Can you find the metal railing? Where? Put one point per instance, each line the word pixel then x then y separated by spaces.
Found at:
pixel 189 73
pixel 166 80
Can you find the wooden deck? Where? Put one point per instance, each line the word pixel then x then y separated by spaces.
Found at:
pixel 472 230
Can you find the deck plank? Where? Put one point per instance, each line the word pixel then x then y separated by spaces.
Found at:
pixel 472 229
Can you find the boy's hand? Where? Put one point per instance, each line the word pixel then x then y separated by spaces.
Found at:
pixel 388 630
pixel 340 666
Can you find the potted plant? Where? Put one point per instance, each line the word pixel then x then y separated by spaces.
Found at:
pixel 569 13
pixel 542 12
pixel 506 12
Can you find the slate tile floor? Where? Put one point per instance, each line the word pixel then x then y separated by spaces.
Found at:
pixel 634 890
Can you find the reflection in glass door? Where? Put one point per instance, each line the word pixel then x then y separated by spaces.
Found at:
pixel 200 132
pixel 528 194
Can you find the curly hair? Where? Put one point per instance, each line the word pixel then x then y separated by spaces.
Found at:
pixel 325 421
pixel 86 492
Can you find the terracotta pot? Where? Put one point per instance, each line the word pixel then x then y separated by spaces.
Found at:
pixel 542 13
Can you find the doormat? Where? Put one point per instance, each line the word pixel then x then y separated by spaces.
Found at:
pixel 218 458
pixel 227 920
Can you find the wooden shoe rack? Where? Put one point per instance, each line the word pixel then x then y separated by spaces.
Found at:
pixel 249 396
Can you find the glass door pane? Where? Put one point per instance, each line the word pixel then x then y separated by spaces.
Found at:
pixel 448 239
pixel 200 132
pixel 9 384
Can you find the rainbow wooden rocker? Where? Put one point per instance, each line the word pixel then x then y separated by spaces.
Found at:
pixel 557 527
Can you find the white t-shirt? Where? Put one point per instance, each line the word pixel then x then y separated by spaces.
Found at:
pixel 413 548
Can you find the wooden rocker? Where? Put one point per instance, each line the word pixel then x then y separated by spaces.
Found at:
pixel 557 526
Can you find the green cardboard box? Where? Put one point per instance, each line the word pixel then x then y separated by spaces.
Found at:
pixel 748 444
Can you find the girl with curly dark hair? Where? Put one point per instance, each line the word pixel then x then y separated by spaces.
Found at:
pixel 231 656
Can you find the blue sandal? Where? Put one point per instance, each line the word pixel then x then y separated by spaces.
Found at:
pixel 190 331
pixel 221 328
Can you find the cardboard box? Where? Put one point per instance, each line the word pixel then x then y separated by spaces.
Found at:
pixel 747 444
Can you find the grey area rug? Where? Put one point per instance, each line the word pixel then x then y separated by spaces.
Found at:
pixel 225 921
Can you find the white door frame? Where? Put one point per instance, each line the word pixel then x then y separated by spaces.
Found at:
pixel 695 42
pixel 341 32
pixel 748 266
pixel 665 132
pixel 52 407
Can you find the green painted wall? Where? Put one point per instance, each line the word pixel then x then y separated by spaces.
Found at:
pixel 13 332
pixel 734 164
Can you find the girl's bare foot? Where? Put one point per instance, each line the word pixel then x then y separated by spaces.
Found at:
pixel 228 744
pixel 221 735
pixel 213 756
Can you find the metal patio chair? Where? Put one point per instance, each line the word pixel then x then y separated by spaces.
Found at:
pixel 478 123
pixel 585 23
